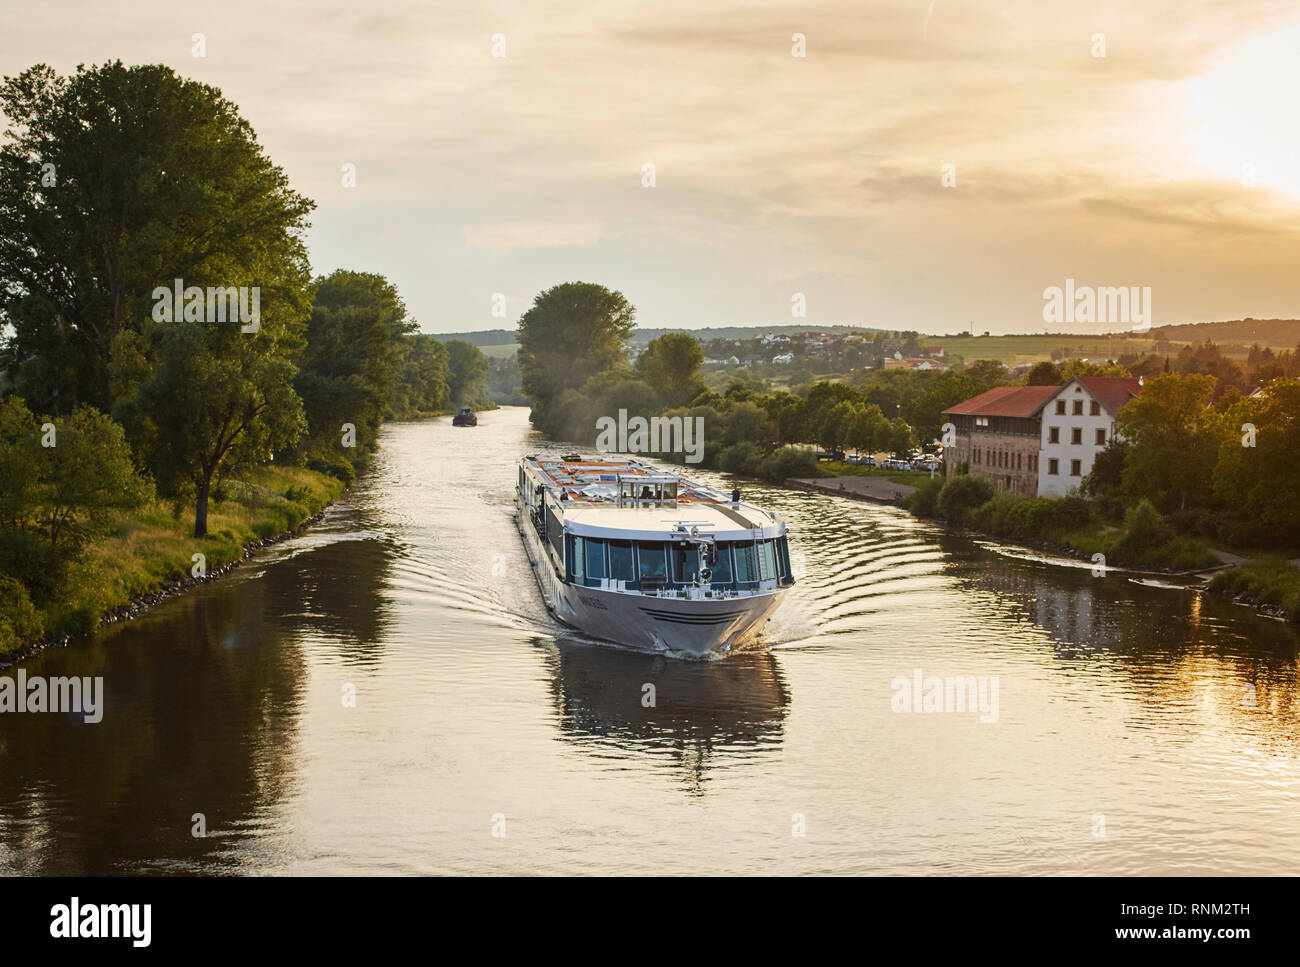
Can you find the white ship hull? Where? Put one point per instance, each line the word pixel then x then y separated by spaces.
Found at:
pixel 693 625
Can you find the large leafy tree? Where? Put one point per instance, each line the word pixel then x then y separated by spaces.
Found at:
pixel 423 384
pixel 114 181
pixel 214 400
pixel 467 372
pixel 353 364
pixel 1258 471
pixel 1172 437
pixel 572 332
pixel 672 363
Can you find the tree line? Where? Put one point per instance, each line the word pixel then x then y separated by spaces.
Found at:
pixel 119 186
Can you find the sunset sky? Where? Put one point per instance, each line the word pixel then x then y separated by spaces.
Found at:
pixel 774 174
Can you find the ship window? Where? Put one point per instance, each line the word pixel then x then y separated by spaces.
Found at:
pixel 783 560
pixel 721 565
pixel 621 566
pixel 554 531
pixel 595 559
pixel 746 564
pixel 686 562
pixel 579 556
pixel 654 565
pixel 766 561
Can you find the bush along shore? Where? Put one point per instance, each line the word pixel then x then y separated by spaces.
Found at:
pixel 1140 539
pixel 151 555
pixel 1272 585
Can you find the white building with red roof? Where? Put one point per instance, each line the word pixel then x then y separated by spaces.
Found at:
pixel 1077 423
pixel 1036 440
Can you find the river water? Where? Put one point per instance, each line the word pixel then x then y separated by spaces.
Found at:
pixel 387 695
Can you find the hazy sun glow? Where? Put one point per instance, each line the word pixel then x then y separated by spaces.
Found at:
pixel 1235 116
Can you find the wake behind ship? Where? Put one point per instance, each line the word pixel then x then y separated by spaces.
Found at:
pixel 634 554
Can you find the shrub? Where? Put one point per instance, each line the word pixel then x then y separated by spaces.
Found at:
pixel 788 462
pixel 741 458
pixel 1144 531
pixel 1194 520
pixel 925 501
pixel 999 515
pixel 1144 523
pixel 1267 580
pixel 20 622
pixel 961 495
pixel 326 461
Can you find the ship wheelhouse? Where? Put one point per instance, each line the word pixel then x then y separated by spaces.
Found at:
pixel 685 562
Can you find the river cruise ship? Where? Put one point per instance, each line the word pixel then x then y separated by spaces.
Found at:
pixel 635 554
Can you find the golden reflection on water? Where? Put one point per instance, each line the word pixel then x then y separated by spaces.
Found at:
pixel 1170 713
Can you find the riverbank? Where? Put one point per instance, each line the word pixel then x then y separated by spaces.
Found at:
pixel 151 554
pixel 1270 584
pixel 1143 544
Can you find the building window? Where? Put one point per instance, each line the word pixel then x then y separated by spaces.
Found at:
pixel 1060 407
pixel 1054 434
pixel 1076 435
pixel 1075 468
pixel 1095 408
pixel 1101 437
pixel 1053 466
pixel 1078 407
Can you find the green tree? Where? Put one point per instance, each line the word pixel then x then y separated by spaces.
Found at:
pixel 1172 437
pixel 571 332
pixel 1045 373
pixel 1258 468
pixel 467 373
pixel 672 364
pixel 114 181
pixel 60 481
pixel 350 370
pixel 215 400
pixel 422 386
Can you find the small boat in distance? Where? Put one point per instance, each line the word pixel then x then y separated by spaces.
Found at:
pixel 465 417
pixel 634 554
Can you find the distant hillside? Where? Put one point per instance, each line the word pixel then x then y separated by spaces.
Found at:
pixel 481 337
pixel 1276 333
pixel 484 338
pixel 748 332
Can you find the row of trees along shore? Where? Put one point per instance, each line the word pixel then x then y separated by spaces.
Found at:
pixel 1197 461
pixel 123 434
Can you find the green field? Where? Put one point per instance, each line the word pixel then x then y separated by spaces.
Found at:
pixel 499 352
pixel 1014 350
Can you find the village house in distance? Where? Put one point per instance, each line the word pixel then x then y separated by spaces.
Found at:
pixel 1037 441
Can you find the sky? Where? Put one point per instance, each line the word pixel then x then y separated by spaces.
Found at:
pixel 500 148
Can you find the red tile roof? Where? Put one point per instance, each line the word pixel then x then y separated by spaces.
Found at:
pixel 1111 391
pixel 1023 401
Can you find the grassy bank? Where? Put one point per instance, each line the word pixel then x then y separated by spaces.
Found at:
pixel 1271 582
pixel 837 468
pixel 1143 539
pixel 151 547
